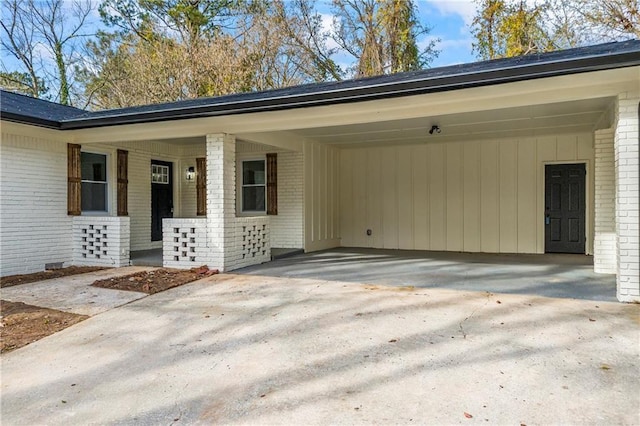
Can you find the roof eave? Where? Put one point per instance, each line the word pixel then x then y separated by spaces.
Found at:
pixel 372 92
pixel 34 121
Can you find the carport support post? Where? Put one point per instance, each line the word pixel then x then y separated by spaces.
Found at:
pixel 221 188
pixel 627 167
pixel 604 245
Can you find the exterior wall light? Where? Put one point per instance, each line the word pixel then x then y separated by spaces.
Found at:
pixel 434 129
pixel 191 173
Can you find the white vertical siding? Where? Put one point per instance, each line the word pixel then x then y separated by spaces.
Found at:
pixel 34 226
pixel 476 196
pixel 321 199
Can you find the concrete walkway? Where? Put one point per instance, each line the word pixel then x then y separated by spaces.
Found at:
pixel 551 275
pixel 240 349
pixel 74 293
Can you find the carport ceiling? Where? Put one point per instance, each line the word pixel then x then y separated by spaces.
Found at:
pixel 535 120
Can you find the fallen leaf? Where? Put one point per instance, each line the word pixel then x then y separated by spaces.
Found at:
pixel 392 341
pixel 592 320
pixel 467 415
pixel 498 302
pixel 605 367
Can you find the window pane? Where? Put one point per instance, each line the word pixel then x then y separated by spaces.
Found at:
pixel 94 197
pixel 159 174
pixel 94 166
pixel 253 172
pixel 253 198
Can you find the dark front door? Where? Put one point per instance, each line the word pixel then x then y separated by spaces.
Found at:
pixel 161 196
pixel 565 208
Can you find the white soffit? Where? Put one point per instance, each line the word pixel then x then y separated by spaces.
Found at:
pixel 534 120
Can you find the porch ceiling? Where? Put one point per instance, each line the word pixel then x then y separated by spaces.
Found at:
pixel 564 117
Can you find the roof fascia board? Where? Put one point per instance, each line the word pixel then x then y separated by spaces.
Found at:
pixel 35 121
pixel 371 92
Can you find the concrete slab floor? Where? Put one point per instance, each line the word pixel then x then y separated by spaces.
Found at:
pixel 241 349
pixel 151 257
pixel 74 293
pixel 551 275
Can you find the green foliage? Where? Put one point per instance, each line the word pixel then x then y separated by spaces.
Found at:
pixel 22 82
pixel 505 28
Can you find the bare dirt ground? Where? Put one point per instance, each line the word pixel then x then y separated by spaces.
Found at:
pixel 155 281
pixel 46 275
pixel 21 324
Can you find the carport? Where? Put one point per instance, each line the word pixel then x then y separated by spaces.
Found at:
pixel 549 275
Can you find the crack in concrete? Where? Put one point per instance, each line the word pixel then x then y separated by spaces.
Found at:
pixel 464 334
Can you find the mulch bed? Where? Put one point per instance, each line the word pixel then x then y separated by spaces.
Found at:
pixel 21 324
pixel 155 281
pixel 46 275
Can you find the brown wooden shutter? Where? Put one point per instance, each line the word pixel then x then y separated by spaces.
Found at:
pixel 272 184
pixel 74 180
pixel 201 186
pixel 123 182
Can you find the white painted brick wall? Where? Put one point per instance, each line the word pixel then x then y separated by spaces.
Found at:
pixel 226 233
pixel 604 256
pixel 627 173
pixel 101 241
pixel 287 227
pixel 34 226
pixel 184 243
pixel 251 244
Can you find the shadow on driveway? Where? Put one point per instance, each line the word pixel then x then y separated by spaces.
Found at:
pixel 549 275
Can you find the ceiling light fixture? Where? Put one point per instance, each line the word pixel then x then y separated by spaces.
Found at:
pixel 434 129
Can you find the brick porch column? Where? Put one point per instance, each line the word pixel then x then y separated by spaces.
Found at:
pixel 221 189
pixel 627 166
pixel 604 245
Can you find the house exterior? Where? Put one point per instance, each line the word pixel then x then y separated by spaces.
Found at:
pixel 523 155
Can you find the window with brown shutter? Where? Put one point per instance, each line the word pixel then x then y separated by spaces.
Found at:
pixel 272 184
pixel 123 182
pixel 74 180
pixel 201 186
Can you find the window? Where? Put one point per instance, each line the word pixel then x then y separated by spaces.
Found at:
pixel 253 186
pixel 94 182
pixel 159 174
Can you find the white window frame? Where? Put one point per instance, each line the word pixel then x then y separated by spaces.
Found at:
pixel 240 186
pixel 163 175
pixel 109 201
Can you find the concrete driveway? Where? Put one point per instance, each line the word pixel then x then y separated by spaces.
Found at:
pixel 551 275
pixel 240 349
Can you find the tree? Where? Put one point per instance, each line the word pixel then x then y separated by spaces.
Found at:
pixel 611 19
pixel 381 35
pixel 169 50
pixel 21 82
pixel 39 31
pixel 504 29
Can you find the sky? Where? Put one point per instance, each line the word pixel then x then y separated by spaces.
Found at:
pixel 449 21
